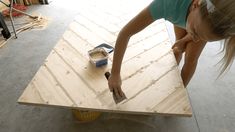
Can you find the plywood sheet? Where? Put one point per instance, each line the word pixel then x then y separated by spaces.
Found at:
pixel 151 79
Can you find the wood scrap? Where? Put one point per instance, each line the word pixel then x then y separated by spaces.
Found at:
pixel 34 1
pixel 38 23
pixel 26 2
pixel 3 42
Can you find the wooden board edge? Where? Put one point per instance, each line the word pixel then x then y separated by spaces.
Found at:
pixel 107 111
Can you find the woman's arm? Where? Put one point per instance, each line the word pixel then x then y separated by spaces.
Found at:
pixel 138 23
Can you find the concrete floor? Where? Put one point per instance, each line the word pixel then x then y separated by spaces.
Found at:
pixel 213 100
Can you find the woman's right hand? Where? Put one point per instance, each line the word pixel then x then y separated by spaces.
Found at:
pixel 179 46
pixel 115 82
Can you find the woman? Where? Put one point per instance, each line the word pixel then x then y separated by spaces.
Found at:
pixel 195 22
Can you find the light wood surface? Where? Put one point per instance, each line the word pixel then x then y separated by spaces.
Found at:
pixel 151 79
pixel 2 6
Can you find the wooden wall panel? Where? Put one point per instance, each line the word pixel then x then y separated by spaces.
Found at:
pixel 151 79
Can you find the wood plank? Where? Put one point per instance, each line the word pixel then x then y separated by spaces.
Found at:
pixel 80 45
pixel 150 31
pixel 3 7
pixel 152 95
pixel 77 43
pixel 96 30
pixel 144 46
pixel 102 22
pixel 175 103
pixel 35 1
pixel 85 34
pixel 31 95
pixel 92 76
pixel 148 75
pixel 98 33
pixel 156 94
pixel 49 90
pixel 106 20
pixel 144 59
pixel 75 87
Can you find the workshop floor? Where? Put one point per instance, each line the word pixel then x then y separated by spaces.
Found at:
pixel 213 101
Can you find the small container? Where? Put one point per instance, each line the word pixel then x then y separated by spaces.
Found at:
pixel 98 56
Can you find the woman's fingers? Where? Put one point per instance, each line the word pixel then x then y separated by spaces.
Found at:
pixel 117 91
pixel 111 89
pixel 120 92
pixel 114 83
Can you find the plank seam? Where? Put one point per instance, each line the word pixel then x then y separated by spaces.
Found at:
pixel 66 41
pixel 98 35
pixel 63 89
pixel 149 64
pixel 164 100
pixel 152 83
pixel 91 21
pixel 39 94
pixel 124 79
pixel 143 39
pixel 82 38
pixel 88 85
pixel 158 44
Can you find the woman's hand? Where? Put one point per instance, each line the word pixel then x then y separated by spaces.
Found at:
pixel 179 46
pixel 115 82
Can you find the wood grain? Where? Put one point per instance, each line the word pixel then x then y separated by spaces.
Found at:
pixel 150 75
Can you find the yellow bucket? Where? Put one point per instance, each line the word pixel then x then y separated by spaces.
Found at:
pixel 86 116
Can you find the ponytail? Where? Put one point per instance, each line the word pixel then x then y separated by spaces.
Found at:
pixel 229 54
pixel 221 14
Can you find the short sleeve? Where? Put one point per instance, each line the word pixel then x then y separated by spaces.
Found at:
pixel 156 9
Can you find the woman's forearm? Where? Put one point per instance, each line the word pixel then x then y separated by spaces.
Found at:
pixel 119 51
pixel 138 23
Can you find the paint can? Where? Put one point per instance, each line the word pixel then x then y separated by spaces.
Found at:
pixel 100 54
pixel 98 57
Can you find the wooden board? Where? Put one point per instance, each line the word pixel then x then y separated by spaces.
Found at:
pixel 2 6
pixel 151 79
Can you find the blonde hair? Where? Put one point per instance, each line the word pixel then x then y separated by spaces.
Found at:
pixel 221 14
